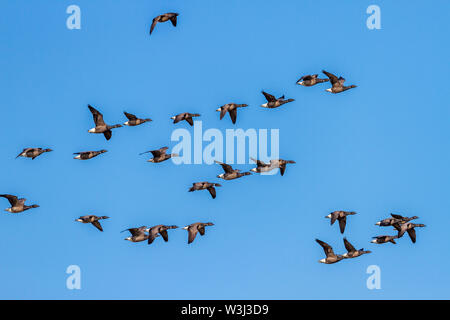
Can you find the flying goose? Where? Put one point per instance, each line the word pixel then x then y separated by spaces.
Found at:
pixel 196 227
pixel 230 173
pixel 160 155
pixel 17 205
pixel 352 252
pixel 281 164
pixel 185 116
pixel 310 80
pixel 86 155
pixel 396 218
pixel 231 108
pixel 408 227
pixel 261 166
pixel 205 186
pixel 94 220
pixel 32 152
pixel 273 102
pixel 133 120
pixel 384 239
pixel 337 83
pixel 137 234
pixel 155 231
pixel 331 257
pixel 100 125
pixel 341 216
pixel 163 18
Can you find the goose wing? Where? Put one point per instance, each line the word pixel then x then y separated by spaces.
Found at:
pixel 212 191
pixel 13 200
pixel 332 77
pixel 130 116
pixel 326 248
pixel 348 246
pixel 342 223
pixel 97 225
pixel 154 22
pixel 226 167
pixel 233 115
pixel 269 97
pixel 98 117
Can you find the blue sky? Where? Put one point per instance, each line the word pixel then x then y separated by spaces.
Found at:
pixel 379 148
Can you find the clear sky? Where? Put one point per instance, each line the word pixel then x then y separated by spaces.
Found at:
pixel 376 149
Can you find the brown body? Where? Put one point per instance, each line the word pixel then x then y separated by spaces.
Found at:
pixel 32 152
pixel 133 120
pixel 163 18
pixel 94 220
pixel 341 216
pixel 352 252
pixel 230 173
pixel 205 186
pixel 231 108
pixel 310 80
pixel 137 234
pixel 161 229
pixel 408 227
pixel 17 205
pixel 384 239
pixel 273 102
pixel 194 228
pixel 100 125
pixel 331 257
pixel 396 218
pixel 160 155
pixel 86 155
pixel 185 116
pixel 337 83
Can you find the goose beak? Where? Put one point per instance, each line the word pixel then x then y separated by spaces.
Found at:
pixel 378 223
pixel 218 109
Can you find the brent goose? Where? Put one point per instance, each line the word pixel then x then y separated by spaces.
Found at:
pixel 161 229
pixel 337 83
pixel 32 152
pixel 396 218
pixel 137 234
pixel 273 102
pixel 196 227
pixel 133 120
pixel 341 216
pixel 408 227
pixel 261 166
pixel 230 173
pixel 160 155
pixel 281 164
pixel 94 220
pixel 384 239
pixel 352 252
pixel 17 205
pixel 331 257
pixel 310 80
pixel 163 18
pixel 231 108
pixel 185 116
pixel 205 186
pixel 86 155
pixel 100 125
